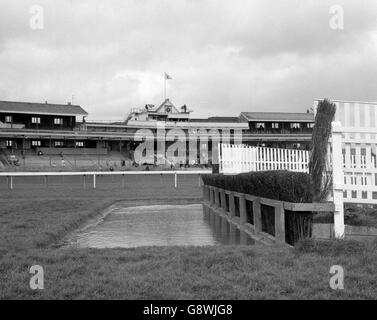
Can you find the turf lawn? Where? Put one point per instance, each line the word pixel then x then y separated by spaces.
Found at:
pixel 35 217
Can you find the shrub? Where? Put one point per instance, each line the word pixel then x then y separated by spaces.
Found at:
pixel 318 166
pixel 278 185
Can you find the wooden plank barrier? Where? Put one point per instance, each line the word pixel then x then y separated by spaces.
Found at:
pixel 211 193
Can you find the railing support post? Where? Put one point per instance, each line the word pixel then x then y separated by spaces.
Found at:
pixel 338 179
pixel 232 209
pixel 280 223
pixel 204 192
pixel 10 182
pixel 243 215
pixel 257 215
pixel 223 200
pixel 217 200
pixel 210 190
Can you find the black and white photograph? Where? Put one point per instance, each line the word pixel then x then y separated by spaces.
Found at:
pixel 188 157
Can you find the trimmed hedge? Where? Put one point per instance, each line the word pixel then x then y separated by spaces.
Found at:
pixel 278 185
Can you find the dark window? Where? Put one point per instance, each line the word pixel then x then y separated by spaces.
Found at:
pixel 36 120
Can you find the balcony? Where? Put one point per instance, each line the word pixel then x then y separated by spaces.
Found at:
pixel 11 125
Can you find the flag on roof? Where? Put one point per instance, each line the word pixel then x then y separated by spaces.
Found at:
pixel 167 77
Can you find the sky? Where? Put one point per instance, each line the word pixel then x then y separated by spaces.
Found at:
pixel 225 57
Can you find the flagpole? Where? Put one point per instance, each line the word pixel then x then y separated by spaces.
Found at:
pixel 164 87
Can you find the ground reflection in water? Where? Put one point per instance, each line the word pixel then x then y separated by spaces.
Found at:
pixel 160 225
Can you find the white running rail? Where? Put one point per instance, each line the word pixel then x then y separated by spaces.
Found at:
pixel 12 175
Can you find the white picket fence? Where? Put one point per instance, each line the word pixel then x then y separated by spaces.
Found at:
pixel 235 159
pixel 358 164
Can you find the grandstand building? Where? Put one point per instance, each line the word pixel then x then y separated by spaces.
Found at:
pixel 57 135
pixel 279 129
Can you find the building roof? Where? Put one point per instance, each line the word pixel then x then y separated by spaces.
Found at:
pixel 169 104
pixel 42 108
pixel 217 119
pixel 278 116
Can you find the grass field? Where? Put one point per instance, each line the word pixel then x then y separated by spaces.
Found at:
pixel 34 217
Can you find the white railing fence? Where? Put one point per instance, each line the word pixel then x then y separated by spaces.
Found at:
pixel 12 175
pixel 235 159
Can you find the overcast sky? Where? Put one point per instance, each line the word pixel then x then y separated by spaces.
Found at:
pixel 224 56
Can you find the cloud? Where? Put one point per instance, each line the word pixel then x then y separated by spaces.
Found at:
pixel 225 56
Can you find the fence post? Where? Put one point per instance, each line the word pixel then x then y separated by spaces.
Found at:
pixel 257 215
pixel 280 223
pixel 94 181
pixel 217 200
pixel 232 209
pixel 175 179
pixel 338 179
pixel 11 182
pixel 243 216
pixel 223 200
pixel 210 195
pixel 219 157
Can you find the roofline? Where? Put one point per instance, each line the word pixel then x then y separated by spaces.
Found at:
pixel 272 112
pixel 278 120
pixel 45 113
pixel 44 104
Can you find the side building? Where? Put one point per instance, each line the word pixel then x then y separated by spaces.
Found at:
pixel 24 125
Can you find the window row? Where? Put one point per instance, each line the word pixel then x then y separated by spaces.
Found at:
pixel 35 120
pixel 38 143
pixel 275 125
